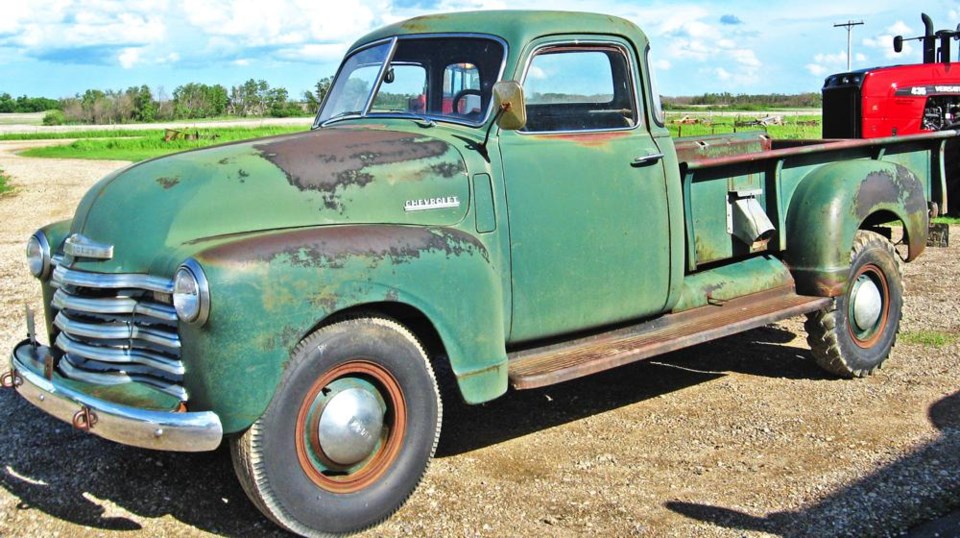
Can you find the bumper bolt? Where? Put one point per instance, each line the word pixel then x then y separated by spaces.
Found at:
pixel 11 380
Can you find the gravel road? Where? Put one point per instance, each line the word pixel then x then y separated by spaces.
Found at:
pixel 740 437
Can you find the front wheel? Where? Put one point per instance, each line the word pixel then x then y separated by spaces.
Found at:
pixel 348 434
pixel 854 336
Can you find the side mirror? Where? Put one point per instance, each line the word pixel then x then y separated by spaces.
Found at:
pixel 509 105
pixel 898 44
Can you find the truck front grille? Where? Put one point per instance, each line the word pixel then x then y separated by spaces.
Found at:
pixel 117 328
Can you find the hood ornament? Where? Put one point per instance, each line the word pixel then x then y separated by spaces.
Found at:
pixel 78 246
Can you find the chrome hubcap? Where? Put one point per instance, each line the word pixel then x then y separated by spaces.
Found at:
pixel 867 303
pixel 350 425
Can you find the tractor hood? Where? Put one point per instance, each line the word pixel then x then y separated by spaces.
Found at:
pixel 155 212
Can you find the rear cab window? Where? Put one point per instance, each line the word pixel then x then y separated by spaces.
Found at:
pixel 574 87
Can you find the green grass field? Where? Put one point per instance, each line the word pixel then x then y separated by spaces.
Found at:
pixel 794 126
pixel 140 145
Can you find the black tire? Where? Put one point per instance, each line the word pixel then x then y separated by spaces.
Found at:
pixel 849 345
pixel 281 461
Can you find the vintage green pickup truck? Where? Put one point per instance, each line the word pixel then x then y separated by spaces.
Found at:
pixel 493 191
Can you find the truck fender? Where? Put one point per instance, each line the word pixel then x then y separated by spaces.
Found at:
pixel 832 202
pixel 268 291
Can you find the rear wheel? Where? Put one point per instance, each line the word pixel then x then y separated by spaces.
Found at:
pixel 854 336
pixel 349 432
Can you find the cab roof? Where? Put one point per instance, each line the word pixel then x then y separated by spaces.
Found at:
pixel 516 27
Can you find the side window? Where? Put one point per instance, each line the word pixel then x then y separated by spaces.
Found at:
pixel 461 90
pixel 579 89
pixel 403 90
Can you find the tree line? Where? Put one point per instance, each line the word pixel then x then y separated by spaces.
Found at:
pixel 26 104
pixel 747 101
pixel 256 98
pixel 253 98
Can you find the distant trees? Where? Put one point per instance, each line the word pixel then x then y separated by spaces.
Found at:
pixel 194 100
pixel 24 104
pixel 98 106
pixel 189 101
pixel 313 99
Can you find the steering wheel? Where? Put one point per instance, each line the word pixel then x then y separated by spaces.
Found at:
pixel 457 97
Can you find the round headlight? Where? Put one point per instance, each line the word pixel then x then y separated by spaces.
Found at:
pixel 38 255
pixel 191 294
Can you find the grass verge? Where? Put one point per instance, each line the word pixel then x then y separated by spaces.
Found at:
pixel 4 185
pixel 141 145
pixel 926 337
pixel 92 133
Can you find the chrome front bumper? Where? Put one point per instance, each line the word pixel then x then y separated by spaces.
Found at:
pixel 158 430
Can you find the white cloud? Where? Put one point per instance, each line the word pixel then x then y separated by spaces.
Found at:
pixel 824 63
pixel 260 23
pixel 129 57
pixel 536 73
pixel 693 33
pixel 662 65
pixel 900 28
pixel 89 27
pixel 312 53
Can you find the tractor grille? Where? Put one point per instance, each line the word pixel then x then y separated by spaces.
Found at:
pixel 117 328
pixel 842 115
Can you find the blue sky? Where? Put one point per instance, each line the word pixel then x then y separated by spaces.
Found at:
pixel 56 48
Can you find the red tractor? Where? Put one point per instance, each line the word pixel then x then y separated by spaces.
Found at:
pixel 901 99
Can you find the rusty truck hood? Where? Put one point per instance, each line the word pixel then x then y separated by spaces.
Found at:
pixel 157 209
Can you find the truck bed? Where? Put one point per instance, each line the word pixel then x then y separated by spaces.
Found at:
pixel 717 170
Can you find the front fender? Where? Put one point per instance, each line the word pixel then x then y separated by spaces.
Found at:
pixel 831 203
pixel 269 290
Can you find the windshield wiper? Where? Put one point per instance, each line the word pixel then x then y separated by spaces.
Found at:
pixel 421 121
pixel 340 115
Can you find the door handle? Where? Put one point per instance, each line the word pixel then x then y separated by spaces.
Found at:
pixel 647 160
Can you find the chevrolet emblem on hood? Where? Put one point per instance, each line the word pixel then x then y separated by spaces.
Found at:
pixel 422 204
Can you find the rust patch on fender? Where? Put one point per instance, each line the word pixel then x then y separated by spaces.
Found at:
pixel 168 182
pixel 332 247
pixel 885 188
pixel 590 140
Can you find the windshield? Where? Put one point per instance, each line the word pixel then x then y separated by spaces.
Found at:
pixel 441 78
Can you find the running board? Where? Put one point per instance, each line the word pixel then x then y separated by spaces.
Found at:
pixel 542 366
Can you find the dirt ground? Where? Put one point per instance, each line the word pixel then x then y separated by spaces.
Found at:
pixel 740 437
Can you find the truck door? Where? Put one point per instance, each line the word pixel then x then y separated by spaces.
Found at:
pixel 585 193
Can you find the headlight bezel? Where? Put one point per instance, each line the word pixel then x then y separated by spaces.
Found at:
pixel 192 307
pixel 39 267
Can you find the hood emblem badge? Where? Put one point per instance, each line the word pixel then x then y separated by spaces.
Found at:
pixel 423 204
pixel 78 246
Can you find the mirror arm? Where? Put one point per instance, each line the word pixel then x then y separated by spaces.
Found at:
pixel 482 148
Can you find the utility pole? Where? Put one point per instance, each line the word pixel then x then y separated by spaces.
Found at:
pixel 849 25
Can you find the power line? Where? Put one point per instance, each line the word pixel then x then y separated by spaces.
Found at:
pixel 849 25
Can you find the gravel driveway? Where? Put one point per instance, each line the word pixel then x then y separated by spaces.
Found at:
pixel 740 437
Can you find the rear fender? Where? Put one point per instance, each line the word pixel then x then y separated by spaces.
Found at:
pixel 831 203
pixel 269 291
